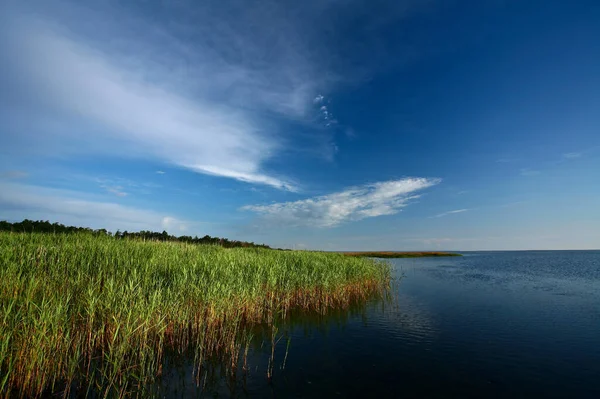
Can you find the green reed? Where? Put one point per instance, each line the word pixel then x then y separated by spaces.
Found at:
pixel 99 313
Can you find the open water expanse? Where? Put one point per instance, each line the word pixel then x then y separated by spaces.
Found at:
pixel 489 324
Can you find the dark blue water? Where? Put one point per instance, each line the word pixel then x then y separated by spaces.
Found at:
pixel 489 324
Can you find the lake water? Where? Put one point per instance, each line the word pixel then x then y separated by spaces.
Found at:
pixel 489 324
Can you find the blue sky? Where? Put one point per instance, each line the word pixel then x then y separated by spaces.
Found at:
pixel 335 125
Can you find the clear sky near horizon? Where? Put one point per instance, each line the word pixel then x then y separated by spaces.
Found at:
pixel 322 124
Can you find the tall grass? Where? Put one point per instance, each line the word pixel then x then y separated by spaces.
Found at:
pixel 98 313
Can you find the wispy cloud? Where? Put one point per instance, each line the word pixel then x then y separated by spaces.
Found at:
pixel 350 133
pixel 116 190
pixel 450 213
pixel 204 137
pixel 247 177
pixel 120 186
pixel 325 113
pixel 19 201
pixel 172 224
pixel 210 86
pixel 160 172
pixel 354 203
pixel 572 155
pixel 215 111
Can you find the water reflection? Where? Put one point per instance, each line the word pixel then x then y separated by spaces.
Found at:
pixel 264 352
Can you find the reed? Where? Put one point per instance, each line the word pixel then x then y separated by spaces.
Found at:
pixel 91 312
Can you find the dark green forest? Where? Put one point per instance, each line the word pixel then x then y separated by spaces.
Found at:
pixel 40 226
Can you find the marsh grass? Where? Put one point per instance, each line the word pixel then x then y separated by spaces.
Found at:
pixel 96 314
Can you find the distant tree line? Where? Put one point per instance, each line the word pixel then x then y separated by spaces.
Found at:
pixel 40 226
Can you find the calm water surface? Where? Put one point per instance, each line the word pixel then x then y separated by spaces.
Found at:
pixel 489 324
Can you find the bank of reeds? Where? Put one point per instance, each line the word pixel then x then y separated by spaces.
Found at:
pixel 96 313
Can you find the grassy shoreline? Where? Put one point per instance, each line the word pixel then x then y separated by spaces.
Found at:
pixel 93 310
pixel 392 254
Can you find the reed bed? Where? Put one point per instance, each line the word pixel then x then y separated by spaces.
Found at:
pixel 92 313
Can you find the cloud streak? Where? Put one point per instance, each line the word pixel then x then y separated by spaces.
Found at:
pixel 352 204
pixel 450 213
pixel 202 136
pixel 20 201
pixel 215 87
pixel 213 107
pixel 116 190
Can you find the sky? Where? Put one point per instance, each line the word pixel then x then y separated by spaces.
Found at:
pixel 321 124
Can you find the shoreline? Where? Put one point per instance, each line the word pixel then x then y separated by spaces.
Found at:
pixel 84 310
pixel 394 254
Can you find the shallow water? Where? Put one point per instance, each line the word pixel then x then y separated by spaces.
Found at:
pixel 489 324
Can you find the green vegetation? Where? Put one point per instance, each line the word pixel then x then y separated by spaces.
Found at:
pixel 390 254
pixel 40 226
pixel 90 312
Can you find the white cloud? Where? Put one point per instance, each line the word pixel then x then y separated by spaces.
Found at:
pixel 450 213
pixel 172 224
pixel 246 177
pixel 572 155
pixel 350 133
pixel 206 112
pixel 208 86
pixel 116 190
pixel 355 203
pixel 325 113
pixel 206 137
pixel 18 201
pixel 160 172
